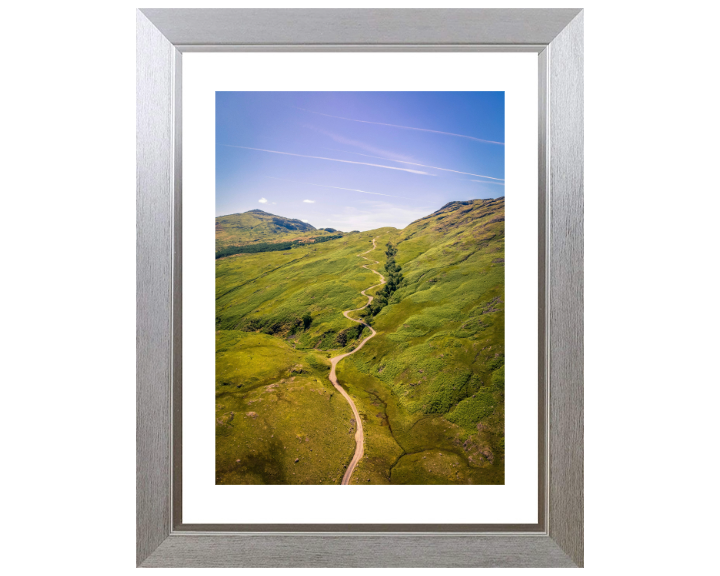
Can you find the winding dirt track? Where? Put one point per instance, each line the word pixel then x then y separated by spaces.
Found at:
pixel 359 439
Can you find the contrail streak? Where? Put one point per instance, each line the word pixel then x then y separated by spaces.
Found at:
pixel 484 182
pixel 403 127
pixel 423 165
pixel 331 159
pixel 338 188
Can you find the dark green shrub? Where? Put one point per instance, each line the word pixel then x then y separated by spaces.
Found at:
pixel 307 320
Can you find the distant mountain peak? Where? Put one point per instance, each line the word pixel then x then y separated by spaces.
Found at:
pixel 256 226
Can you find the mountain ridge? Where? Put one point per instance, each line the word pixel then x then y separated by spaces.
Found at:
pixel 258 226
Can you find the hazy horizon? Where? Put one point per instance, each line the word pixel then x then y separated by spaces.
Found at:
pixel 357 160
pixel 341 230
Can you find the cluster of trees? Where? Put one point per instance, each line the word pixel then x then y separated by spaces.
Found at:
pixel 282 325
pixel 326 238
pixel 393 281
pixel 252 248
pixel 267 247
pixel 348 334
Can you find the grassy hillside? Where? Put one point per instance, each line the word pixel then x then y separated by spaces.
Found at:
pixel 258 226
pixel 439 354
pixel 429 387
pixel 278 418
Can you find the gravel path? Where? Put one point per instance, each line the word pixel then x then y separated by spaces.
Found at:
pixel 359 439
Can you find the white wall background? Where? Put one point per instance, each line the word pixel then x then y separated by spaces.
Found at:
pixel 67 237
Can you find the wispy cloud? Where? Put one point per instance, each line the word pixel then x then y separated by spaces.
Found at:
pixel 330 159
pixel 339 188
pixel 309 201
pixel 362 145
pixel 486 182
pixel 402 127
pixel 263 200
pixel 423 165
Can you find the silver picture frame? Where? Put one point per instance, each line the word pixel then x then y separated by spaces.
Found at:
pixel 163 540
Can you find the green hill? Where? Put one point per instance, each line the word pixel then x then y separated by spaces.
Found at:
pixel 429 387
pixel 258 226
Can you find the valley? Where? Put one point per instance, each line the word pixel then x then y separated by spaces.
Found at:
pixel 324 375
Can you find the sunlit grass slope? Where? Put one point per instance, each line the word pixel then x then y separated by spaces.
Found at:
pixel 429 387
pixel 278 418
pixel 437 364
pixel 270 292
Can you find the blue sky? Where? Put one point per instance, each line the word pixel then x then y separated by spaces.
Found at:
pixel 357 160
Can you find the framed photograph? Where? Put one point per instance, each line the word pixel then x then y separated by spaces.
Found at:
pixel 359 288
